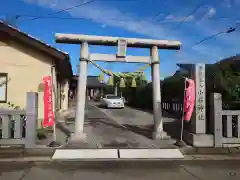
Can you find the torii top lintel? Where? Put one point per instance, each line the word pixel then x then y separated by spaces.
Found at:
pixel 112 41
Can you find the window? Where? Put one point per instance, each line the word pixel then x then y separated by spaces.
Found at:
pixel 112 97
pixel 3 87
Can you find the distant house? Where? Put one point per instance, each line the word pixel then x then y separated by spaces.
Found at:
pixel 24 61
pixel 184 69
pixel 94 86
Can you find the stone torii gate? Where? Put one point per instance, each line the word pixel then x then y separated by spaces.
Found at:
pixel 122 44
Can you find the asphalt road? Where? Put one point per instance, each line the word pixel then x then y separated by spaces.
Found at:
pixel 219 170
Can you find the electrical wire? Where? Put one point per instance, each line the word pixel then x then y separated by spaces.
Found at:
pixel 156 16
pixel 62 10
pixel 228 31
pixel 64 18
pixel 191 13
pixel 51 17
pixel 194 11
pixel 208 38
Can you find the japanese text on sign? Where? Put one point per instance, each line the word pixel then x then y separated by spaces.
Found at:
pixel 200 89
pixel 48 106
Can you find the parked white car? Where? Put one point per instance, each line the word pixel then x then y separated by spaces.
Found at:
pixel 112 101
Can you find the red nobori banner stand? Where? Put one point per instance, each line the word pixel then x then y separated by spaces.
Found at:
pixel 189 99
pixel 188 105
pixel 48 102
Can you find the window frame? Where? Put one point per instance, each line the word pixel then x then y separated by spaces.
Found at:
pixel 5 75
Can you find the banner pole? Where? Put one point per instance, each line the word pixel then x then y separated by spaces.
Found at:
pixel 182 123
pixel 54 138
pixel 181 143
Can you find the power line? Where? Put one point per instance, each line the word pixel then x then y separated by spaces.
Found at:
pixel 185 18
pixel 156 16
pixel 228 31
pixel 62 10
pixel 65 18
pixel 208 38
pixel 194 11
pixel 190 13
pixel 51 17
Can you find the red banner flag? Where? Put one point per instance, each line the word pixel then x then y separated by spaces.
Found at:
pixel 189 100
pixel 48 106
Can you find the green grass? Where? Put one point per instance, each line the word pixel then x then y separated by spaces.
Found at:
pixel 42 133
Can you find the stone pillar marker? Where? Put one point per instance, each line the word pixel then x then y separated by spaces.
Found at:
pixel 199 117
pixel 196 135
pixel 31 119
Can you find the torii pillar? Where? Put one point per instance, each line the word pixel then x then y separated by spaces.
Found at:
pixel 122 44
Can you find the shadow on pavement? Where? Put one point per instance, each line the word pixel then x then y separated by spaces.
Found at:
pixel 172 128
pixel 96 121
pixel 141 130
pixel 164 112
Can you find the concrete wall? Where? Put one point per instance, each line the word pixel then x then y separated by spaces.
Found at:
pixel 25 67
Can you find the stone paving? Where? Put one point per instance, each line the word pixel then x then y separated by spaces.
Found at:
pixel 103 131
pixel 132 117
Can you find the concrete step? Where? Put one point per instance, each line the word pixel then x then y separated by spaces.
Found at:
pixel 150 154
pixel 75 154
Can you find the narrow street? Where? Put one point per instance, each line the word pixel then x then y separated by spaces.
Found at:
pixel 106 128
pixel 152 170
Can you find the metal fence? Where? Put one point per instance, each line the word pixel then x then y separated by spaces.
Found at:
pixel 18 127
pixel 174 108
pixel 225 123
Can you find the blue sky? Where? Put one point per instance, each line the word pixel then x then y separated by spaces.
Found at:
pixel 135 18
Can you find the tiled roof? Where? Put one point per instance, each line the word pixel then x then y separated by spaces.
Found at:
pixel 92 81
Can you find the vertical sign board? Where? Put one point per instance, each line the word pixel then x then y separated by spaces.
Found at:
pixel 48 102
pixel 200 99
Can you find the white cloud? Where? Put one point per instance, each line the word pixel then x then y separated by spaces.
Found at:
pixel 102 13
pixel 172 18
pixel 212 12
pixel 230 3
pixel 103 26
pixel 107 15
